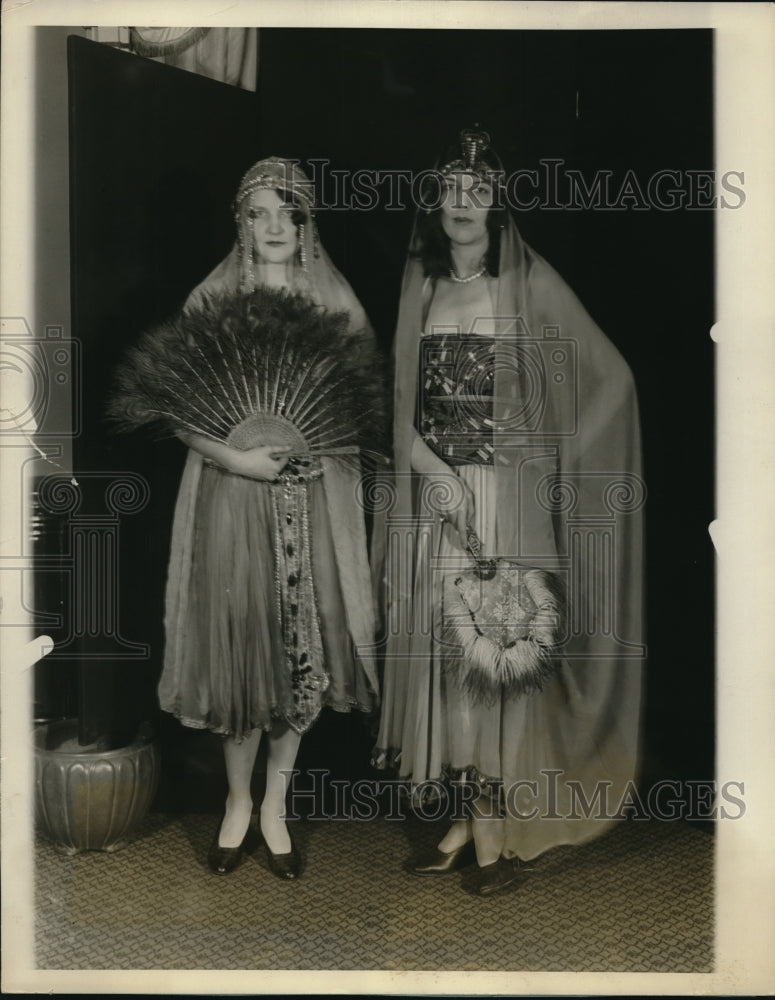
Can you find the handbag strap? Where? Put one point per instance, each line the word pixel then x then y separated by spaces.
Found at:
pixel 485 568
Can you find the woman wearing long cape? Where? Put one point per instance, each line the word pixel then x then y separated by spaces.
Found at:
pixel 225 665
pixel 551 481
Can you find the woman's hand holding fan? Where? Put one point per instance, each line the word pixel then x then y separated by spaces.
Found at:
pixel 265 462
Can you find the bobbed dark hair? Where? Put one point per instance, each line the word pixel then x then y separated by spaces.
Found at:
pixel 431 244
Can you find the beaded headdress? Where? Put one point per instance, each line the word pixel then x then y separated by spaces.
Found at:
pixel 473 144
pixel 276 174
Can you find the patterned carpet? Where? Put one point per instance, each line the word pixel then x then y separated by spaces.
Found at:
pixel 639 899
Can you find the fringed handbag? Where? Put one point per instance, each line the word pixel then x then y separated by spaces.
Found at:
pixel 506 622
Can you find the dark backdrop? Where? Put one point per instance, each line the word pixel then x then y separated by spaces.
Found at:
pixel 159 152
pixel 148 214
pixel 598 100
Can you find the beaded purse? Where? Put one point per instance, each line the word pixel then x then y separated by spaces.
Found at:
pixel 506 623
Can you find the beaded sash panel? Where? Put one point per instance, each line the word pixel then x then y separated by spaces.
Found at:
pixel 296 603
pixel 455 398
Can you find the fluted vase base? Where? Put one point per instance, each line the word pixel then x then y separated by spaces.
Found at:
pixel 88 798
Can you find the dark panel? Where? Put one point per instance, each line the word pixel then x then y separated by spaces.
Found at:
pixel 156 154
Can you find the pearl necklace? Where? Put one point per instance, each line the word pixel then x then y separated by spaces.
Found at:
pixel 471 277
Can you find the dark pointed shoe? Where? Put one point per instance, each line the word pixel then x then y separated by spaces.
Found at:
pixel 284 866
pixel 501 875
pixel 223 860
pixel 442 862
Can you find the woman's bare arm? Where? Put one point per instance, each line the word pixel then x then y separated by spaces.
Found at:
pixel 427 463
pixel 265 462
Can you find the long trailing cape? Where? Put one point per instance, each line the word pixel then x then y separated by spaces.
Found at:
pixel 569 499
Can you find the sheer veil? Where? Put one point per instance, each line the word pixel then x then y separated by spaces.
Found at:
pixel 567 445
pixel 313 272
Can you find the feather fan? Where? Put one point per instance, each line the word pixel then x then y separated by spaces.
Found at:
pixel 270 367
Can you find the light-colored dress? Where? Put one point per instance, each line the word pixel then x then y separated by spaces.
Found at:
pixel 563 492
pixel 269 610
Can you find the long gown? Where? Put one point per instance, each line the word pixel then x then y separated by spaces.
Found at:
pixel 473 735
pixel 565 494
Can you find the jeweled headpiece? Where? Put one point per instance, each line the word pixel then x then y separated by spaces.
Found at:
pixel 277 174
pixel 274 174
pixel 473 144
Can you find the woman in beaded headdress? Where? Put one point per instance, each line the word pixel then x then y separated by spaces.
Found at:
pixel 239 591
pixel 525 427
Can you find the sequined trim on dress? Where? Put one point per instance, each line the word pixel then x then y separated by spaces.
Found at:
pixel 296 603
pixel 277 716
pixel 383 759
